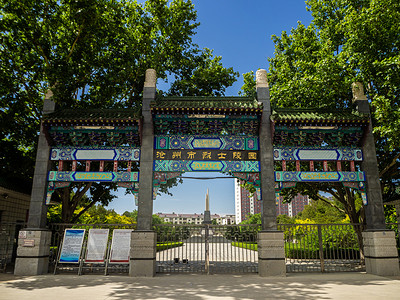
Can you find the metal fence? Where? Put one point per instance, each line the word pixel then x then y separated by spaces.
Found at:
pixel 214 249
pixel 322 247
pixel 8 245
pixel 56 239
pixel 396 228
pixel 206 248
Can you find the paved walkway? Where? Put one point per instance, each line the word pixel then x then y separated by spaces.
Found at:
pixel 218 252
pixel 199 287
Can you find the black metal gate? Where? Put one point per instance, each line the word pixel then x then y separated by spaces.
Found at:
pixel 8 245
pixel 322 248
pixel 207 248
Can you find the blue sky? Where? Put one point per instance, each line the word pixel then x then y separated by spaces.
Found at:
pixel 240 31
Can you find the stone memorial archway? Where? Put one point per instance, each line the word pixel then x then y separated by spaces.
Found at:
pixel 240 135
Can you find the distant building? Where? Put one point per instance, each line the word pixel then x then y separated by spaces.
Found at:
pixel 294 207
pixel 244 203
pixel 249 205
pixel 227 220
pixel 195 219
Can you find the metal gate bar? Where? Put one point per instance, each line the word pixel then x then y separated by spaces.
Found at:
pixel 233 248
pixel 322 247
pixel 206 249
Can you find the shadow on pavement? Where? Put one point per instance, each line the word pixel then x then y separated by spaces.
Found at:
pixel 194 286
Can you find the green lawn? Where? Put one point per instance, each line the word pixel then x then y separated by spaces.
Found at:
pixel 164 246
pixel 251 246
pixel 292 251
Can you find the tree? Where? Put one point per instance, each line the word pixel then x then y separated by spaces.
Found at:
pixel 133 215
pixel 249 85
pixel 95 215
pixel 92 54
pixel 314 66
pixel 322 212
pixel 285 219
pixel 252 219
pixel 367 38
pixel 206 78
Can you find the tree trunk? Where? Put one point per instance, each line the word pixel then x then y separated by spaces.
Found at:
pixel 359 230
pixel 66 213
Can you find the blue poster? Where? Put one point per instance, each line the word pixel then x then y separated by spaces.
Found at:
pixel 72 245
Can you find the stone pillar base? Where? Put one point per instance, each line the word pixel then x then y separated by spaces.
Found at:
pixel 271 254
pixel 143 254
pixel 380 251
pixel 33 252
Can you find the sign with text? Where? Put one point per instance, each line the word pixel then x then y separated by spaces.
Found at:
pixel 120 246
pixel 72 245
pixel 96 245
pixel 28 243
pixel 205 155
pixel 195 165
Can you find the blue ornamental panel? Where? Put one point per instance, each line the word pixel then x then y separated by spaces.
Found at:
pixel 302 153
pixel 318 176
pixel 206 142
pixel 212 166
pixel 95 153
pixel 71 176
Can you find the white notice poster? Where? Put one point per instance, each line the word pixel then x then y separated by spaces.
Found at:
pixel 120 246
pixel 72 245
pixel 97 245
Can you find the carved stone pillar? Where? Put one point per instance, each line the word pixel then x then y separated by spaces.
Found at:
pixel 143 254
pixel 271 254
pixel 380 251
pixel 145 197
pixel 267 176
pixel 143 240
pixel 271 248
pixel 33 256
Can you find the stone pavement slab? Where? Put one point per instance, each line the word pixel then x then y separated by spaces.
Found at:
pixel 200 287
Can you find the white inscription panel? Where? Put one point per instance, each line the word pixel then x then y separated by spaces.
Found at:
pixel 97 245
pixel 121 246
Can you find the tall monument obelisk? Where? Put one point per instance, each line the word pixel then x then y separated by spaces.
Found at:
pixel 207 215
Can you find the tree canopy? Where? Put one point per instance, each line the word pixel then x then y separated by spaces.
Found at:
pixel 92 54
pixel 315 65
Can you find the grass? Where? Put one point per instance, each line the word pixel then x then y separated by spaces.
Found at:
pixel 250 246
pixel 291 251
pixel 164 246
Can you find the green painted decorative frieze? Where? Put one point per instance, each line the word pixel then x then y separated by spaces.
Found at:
pixel 214 166
pixel 95 153
pixel 318 176
pixel 317 153
pixel 206 142
pixel 71 176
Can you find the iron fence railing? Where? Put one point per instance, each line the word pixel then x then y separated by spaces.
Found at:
pixel 8 244
pixel 322 247
pixel 396 228
pixel 207 248
pixel 233 248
